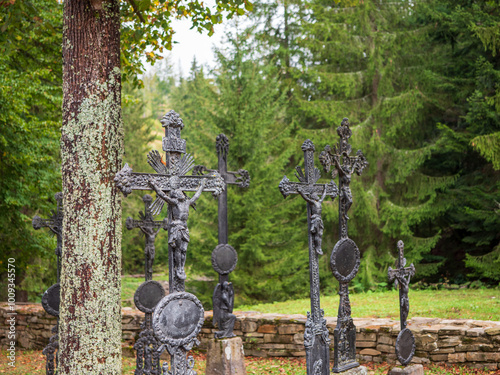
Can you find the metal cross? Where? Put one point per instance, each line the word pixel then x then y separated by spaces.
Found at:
pixel 147 355
pixel 316 339
pixel 401 276
pixel 150 228
pixel 55 225
pixel 171 178
pixel 345 257
pixel 405 342
pixel 223 307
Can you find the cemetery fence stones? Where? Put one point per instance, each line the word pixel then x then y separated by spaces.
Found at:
pixel 345 257
pixel 316 336
pixel 224 256
pixel 149 293
pixel 177 316
pixel 405 342
pixel 51 298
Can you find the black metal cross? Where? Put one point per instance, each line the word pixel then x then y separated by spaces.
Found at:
pixel 147 345
pixel 224 257
pixel 316 339
pixel 172 177
pixel 150 228
pixel 401 276
pixel 405 343
pixel 50 300
pixel 345 258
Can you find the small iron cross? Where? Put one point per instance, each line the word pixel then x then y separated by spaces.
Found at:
pixel 55 225
pixel 401 276
pixel 223 317
pixel 50 300
pixel 150 228
pixel 316 336
pixel 343 165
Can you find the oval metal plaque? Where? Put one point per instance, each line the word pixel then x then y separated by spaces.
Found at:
pixel 345 260
pixel 51 299
pixel 405 346
pixel 178 318
pixel 147 296
pixel 224 259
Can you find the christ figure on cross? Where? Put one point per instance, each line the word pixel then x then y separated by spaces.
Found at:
pixel 317 226
pixel 179 234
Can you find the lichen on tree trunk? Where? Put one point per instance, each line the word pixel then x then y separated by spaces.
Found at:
pixel 91 150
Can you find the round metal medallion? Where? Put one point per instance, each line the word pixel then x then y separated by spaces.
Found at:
pixel 147 296
pixel 224 259
pixel 51 298
pixel 405 346
pixel 178 318
pixel 345 260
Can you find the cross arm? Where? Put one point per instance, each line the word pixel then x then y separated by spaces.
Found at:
pixel 127 180
pixel 38 222
pixel 287 187
pixel 240 178
pixel 131 223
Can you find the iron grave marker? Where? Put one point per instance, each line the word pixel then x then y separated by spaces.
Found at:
pixel 405 343
pixel 51 298
pixel 224 256
pixel 316 337
pixel 345 257
pixel 170 183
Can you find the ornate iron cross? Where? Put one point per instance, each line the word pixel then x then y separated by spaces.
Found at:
pixel 316 339
pixel 172 178
pixel 149 293
pixel 224 256
pixel 405 343
pixel 50 299
pixel 345 256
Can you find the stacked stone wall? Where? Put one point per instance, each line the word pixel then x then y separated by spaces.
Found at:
pixel 474 343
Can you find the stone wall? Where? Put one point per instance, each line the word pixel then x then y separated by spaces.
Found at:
pixel 471 342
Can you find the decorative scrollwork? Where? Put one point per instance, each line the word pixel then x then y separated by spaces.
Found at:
pixel 222 145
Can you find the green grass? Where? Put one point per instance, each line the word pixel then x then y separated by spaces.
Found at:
pixel 33 363
pixel 479 304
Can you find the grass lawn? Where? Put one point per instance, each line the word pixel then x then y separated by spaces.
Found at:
pixel 479 304
pixel 33 363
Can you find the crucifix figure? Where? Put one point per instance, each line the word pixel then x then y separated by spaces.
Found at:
pixel 405 343
pixel 171 177
pixel 178 237
pixel 316 340
pixel 150 228
pixel 146 346
pixel 224 256
pixel 50 300
pixel 345 258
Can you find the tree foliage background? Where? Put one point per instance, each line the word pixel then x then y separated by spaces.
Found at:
pixel 419 82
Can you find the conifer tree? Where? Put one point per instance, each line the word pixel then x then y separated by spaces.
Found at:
pixel 244 102
pixel 368 61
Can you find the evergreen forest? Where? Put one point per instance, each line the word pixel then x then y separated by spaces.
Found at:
pixel 419 82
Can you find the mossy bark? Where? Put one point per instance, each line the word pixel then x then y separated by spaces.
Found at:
pixel 91 150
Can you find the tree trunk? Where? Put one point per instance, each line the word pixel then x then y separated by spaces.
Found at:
pixel 91 149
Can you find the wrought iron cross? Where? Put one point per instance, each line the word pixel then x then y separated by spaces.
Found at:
pixel 405 343
pixel 224 257
pixel 147 345
pixel 172 178
pixel 345 258
pixel 150 228
pixel 401 277
pixel 55 225
pixel 50 300
pixel 316 339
